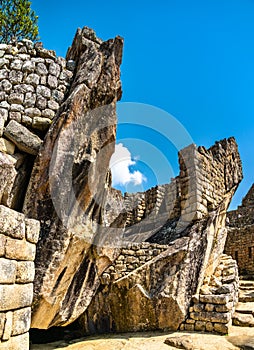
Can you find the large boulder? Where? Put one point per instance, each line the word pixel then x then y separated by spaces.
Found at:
pixel 66 188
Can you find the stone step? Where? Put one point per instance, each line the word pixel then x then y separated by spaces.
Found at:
pixel 246 288
pixel 246 296
pixel 245 308
pixel 243 320
pixel 244 283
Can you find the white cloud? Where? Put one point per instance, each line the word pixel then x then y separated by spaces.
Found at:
pixel 120 162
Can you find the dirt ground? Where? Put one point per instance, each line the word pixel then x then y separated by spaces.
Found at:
pixel 238 338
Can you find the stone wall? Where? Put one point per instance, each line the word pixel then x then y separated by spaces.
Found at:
pixel 204 180
pixel 132 257
pixel 211 310
pixel 184 223
pixel 240 240
pixel 33 82
pixel 18 238
pixel 122 263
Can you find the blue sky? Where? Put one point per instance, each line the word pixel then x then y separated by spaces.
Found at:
pixel 192 59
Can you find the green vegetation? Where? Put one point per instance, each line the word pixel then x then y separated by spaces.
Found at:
pixel 17 21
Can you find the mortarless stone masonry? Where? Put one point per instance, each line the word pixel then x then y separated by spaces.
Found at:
pixel 116 263
pixel 18 238
pixel 240 240
pixel 211 310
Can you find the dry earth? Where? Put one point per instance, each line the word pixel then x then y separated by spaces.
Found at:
pixel 239 338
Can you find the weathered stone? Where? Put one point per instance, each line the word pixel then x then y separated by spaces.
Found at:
pixel 242 341
pixel 27 120
pixel 32 112
pixel 224 308
pixel 3 62
pixel 243 320
pixel 41 102
pixel 79 105
pixel 198 307
pixel 23 88
pixel 41 123
pixel 53 105
pixel 15 116
pixel 32 79
pixel 48 113
pixel 16 64
pixel 24 139
pixel 208 307
pixel 6 85
pixel 200 326
pixel 54 69
pixel 2 244
pixel 32 230
pixel 209 327
pixel 30 99
pixel 215 299
pixel 2 322
pixel 19 249
pixel 211 316
pixel 43 91
pixel 3 74
pixel 150 285
pixel 7 146
pixel 240 238
pixel 16 107
pixel 15 296
pixel 181 342
pixel 19 342
pixel 41 69
pixel 21 321
pixel 221 328
pixel 28 67
pixel 25 272
pixel 15 77
pixel 7 271
pixel 4 116
pixel 52 81
pixel 12 223
pixel 7 326
pixel 58 96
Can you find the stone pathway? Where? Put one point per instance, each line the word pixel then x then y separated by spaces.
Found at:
pixel 244 313
pixel 239 338
pixel 241 335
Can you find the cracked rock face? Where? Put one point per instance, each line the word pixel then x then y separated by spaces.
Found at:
pixel 118 263
pixel 66 188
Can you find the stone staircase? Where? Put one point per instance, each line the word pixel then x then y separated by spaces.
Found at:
pixel 244 311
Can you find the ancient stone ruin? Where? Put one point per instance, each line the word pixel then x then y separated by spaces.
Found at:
pixel 240 240
pixel 114 262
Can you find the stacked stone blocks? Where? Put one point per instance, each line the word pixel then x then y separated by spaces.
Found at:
pixel 18 238
pixel 132 257
pixel 240 240
pixel 212 309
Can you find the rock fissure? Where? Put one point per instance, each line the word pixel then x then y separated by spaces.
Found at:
pixel 111 262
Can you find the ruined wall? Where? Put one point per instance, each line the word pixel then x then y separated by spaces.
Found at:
pixel 185 248
pixel 240 240
pixel 211 310
pixel 122 263
pixel 18 238
pixel 33 83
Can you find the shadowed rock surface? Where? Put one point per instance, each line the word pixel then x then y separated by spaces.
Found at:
pixel 68 182
pixel 132 262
